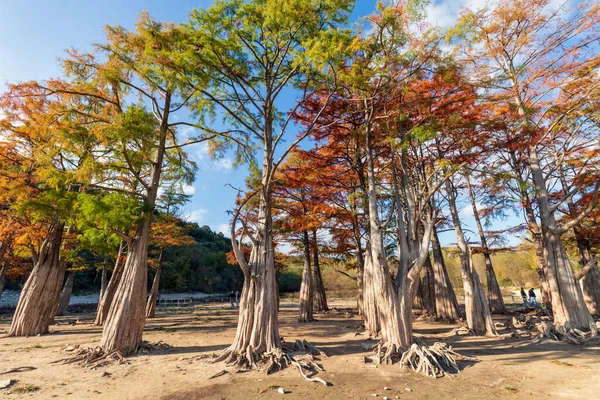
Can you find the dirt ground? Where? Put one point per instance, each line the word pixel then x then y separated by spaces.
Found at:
pixel 508 368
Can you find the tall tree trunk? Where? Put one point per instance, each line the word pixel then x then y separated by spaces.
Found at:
pixel 479 318
pixel 370 311
pixel 428 288
pixel 39 296
pixel 568 304
pixel 103 279
pixel 65 295
pixel 153 297
pixel 493 289
pixel 306 287
pixel 377 269
pixel 446 305
pixel 360 280
pixel 257 330
pixel 320 297
pixel 126 315
pixel 108 295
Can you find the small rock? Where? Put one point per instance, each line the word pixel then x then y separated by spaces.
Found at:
pixel 104 374
pixel 38 335
pixel 387 388
pixel 281 390
pixel 408 390
pixel 6 383
pixel 374 395
pixel 70 348
pixel 386 398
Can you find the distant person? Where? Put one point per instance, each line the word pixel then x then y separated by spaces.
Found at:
pixel 524 296
pixel 532 300
pixel 237 298
pixel 232 299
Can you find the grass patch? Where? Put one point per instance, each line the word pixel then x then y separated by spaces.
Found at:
pixel 163 329
pixel 510 388
pixel 563 363
pixel 38 346
pixel 26 389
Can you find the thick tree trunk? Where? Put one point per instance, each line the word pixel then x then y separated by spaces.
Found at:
pixel 479 318
pixel 126 315
pixel 108 295
pixel 377 270
pixel 153 297
pixel 446 305
pixel 319 295
pixel 493 289
pixel 568 305
pixel 306 287
pixel 35 310
pixel 257 330
pixel 65 295
pixel 370 311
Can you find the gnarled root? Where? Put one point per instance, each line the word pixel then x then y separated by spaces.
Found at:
pixel 91 357
pixel 301 354
pixel 434 360
pixel 387 353
pixel 94 357
pixel 547 329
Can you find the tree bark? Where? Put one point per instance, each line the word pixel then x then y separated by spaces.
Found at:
pixel 568 305
pixel 494 294
pixel 479 318
pixel 319 294
pixel 446 305
pixel 428 288
pixel 39 296
pixel 108 295
pixel 126 315
pixel 257 330
pixel 153 297
pixel 360 280
pixel 103 279
pixel 306 287
pixel 65 295
pixel 5 264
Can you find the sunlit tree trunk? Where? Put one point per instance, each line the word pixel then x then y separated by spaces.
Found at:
pixel 306 287
pixel 568 304
pixel 590 282
pixel 428 288
pixel 477 311
pixel 103 279
pixel 37 303
pixel 319 294
pixel 493 289
pixel 153 297
pixel 108 294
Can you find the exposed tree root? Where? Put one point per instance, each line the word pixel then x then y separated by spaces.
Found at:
pixel 95 357
pixel 435 360
pixel 460 331
pixel 91 357
pixel 387 353
pixel 300 354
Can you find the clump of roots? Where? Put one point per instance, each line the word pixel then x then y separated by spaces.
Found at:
pixel 301 354
pixel 91 357
pixel 434 361
pixel 546 329
pixel 95 357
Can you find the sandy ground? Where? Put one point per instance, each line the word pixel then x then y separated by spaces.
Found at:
pixel 508 368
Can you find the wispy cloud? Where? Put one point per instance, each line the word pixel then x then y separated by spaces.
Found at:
pixel 197 215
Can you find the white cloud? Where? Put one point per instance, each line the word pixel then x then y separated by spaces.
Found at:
pixel 223 228
pixel 197 215
pixel 189 190
pixel 224 164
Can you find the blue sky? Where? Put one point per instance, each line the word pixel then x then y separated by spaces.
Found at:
pixel 34 33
